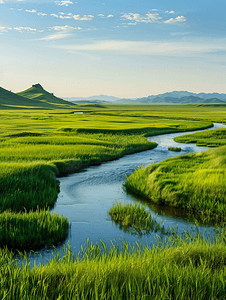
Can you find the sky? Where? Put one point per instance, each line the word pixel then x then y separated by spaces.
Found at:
pixel 126 48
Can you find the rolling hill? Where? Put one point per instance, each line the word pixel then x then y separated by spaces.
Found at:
pixel 10 100
pixel 37 94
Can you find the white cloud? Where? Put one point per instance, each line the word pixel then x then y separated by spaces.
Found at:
pixel 65 17
pixel 2 2
pixel 62 16
pixel 175 20
pixel 138 18
pixel 4 29
pixel 24 28
pixel 66 2
pixel 170 12
pixel 83 18
pixel 178 49
pixel 65 28
pixel 31 11
pixel 103 16
pixel 41 14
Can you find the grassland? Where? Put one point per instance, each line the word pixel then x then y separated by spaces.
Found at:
pixel 210 138
pixel 37 146
pixel 192 269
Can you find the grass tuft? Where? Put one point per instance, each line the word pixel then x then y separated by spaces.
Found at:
pixel 134 218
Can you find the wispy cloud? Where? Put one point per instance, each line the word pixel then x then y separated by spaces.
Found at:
pixel 4 29
pixel 178 49
pixel 21 29
pixel 170 12
pixel 175 20
pixel 83 18
pixel 62 16
pixel 65 3
pixel 56 36
pixel 135 18
pixel 41 14
pixel 138 18
pixel 103 16
pixel 75 17
pixel 31 11
pixel 65 28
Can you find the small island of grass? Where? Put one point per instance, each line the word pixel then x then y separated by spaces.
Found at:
pixel 134 218
pixel 176 149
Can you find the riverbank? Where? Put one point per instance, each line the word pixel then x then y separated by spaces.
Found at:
pixel 194 183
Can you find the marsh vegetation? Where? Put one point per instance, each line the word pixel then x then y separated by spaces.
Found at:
pixel 194 182
pixel 182 268
pixel 134 218
pixel 210 138
pixel 176 149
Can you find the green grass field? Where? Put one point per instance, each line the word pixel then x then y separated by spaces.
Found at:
pixel 37 146
pixel 210 138
pixel 192 269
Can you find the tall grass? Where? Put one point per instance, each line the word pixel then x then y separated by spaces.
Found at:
pixel 134 218
pixel 210 138
pixel 176 149
pixel 27 186
pixel 193 182
pixel 31 231
pixel 182 269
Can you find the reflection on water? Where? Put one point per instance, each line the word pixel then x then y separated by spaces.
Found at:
pixel 86 197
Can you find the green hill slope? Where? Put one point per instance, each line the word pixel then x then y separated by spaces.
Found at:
pixel 10 100
pixel 44 99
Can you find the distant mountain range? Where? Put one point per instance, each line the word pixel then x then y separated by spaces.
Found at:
pixel 36 97
pixel 176 97
pixel 94 98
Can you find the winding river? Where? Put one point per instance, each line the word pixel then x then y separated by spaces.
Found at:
pixel 86 197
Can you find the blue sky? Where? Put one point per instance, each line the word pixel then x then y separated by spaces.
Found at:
pixel 120 48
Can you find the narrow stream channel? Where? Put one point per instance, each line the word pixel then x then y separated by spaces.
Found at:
pixel 86 197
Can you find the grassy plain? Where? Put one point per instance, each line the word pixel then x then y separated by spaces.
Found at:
pixel 37 146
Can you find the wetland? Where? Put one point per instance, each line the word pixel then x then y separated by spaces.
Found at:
pixel 101 149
